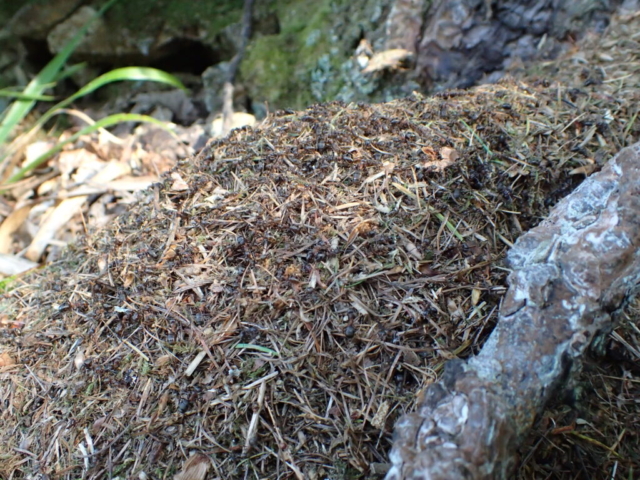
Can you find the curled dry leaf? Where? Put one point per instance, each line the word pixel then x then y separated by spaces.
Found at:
pixel 12 224
pixel 6 360
pixel 430 152
pixel 14 265
pixel 448 157
pixel 170 253
pixel 195 468
pixel 78 360
pixel 178 185
pixel 162 361
pixel 380 417
pixel 475 296
pixel 129 277
pixel 413 251
pixel 240 119
pixel 218 194
pixel 389 59
pixel 64 212
pixel 585 170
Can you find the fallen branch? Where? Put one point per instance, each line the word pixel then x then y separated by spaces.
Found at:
pixel 570 275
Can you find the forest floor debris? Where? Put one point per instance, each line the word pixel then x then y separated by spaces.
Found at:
pixel 275 303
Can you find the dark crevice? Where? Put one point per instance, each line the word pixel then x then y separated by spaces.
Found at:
pixel 185 56
pixel 38 53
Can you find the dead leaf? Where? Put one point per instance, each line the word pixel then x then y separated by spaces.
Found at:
pixel 240 119
pixel 389 59
pixel 516 170
pixel 78 361
pixel 413 251
pixel 195 468
pixel 6 360
pixel 178 185
pixel 475 296
pixel 162 360
pixel 218 194
pixel 65 211
pixel 380 417
pixel 412 358
pixel 11 225
pixel 128 279
pixel 170 253
pixel 388 167
pixel 448 156
pixel 359 306
pixel 12 265
pixel 583 170
pixel 454 309
pixel 430 152
pixel 131 184
pixel 35 150
pixel 79 165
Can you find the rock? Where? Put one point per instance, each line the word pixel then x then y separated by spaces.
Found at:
pixel 99 41
pixel 36 19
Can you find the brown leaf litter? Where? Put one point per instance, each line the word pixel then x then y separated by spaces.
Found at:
pixel 80 190
pixel 275 317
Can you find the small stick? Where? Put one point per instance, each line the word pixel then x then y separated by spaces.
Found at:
pixel 234 65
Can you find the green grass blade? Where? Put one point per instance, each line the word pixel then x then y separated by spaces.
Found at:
pixel 259 348
pixel 129 73
pixel 20 108
pixel 450 226
pixel 71 70
pixel 102 123
pixel 6 92
pixel 118 75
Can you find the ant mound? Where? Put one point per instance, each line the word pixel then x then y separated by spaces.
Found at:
pixel 277 302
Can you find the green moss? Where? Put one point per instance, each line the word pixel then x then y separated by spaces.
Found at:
pixel 279 68
pixel 270 67
pixel 146 368
pixel 6 284
pixel 183 348
pixel 89 389
pixel 149 15
pixel 310 59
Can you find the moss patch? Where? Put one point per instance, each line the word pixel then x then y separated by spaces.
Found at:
pixel 303 63
pixel 148 16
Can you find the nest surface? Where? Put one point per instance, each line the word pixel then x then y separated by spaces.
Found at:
pixel 282 298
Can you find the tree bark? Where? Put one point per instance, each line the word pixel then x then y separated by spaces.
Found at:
pixel 464 40
pixel 570 275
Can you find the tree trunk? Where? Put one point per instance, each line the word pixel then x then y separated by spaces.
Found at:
pixel 458 43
